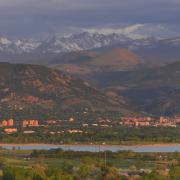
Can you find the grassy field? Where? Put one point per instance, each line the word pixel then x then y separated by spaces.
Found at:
pixel 22 158
pixel 71 165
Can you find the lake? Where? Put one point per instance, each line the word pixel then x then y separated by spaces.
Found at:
pixel 93 148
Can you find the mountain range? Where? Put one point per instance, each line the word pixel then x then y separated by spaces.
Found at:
pixel 86 46
pixel 118 72
pixel 58 44
pixel 150 49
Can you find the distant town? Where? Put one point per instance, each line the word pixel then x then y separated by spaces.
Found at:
pixel 149 121
pixel 28 126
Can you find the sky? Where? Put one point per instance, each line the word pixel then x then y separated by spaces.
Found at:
pixel 38 18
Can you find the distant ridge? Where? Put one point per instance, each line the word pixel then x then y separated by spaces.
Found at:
pixel 117 57
pixel 89 62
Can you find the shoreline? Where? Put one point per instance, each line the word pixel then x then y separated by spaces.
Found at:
pixel 93 145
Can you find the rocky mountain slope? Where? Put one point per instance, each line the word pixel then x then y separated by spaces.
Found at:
pixel 29 90
pixel 152 90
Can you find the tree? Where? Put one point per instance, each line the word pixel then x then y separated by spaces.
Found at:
pixel 37 177
pixel 8 174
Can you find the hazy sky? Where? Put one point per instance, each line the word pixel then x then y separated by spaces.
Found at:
pixel 40 17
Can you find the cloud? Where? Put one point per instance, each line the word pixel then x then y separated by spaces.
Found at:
pixel 133 28
pixel 137 31
pixel 122 30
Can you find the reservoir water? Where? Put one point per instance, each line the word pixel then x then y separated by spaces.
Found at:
pixel 94 148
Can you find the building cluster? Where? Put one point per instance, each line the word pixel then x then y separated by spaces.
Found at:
pixel 136 121
pixel 27 126
pixel 10 127
pixel 30 123
pixel 150 121
pixel 7 123
pixel 71 131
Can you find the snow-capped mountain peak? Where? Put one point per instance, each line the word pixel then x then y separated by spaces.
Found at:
pixel 79 42
pixel 5 41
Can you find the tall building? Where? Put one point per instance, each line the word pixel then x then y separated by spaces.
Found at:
pixel 4 123
pixel 25 123
pixel 10 122
pixel 32 123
